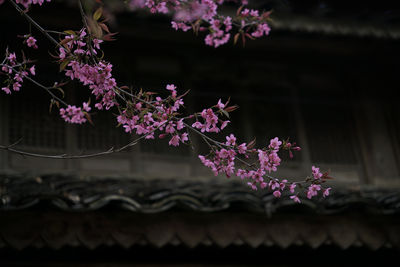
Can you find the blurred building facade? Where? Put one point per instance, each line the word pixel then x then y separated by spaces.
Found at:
pixel 326 78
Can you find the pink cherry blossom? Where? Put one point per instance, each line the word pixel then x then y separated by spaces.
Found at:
pixel 220 105
pixel 230 140
pixel 73 114
pixel 6 90
pixel 174 140
pixel 292 187
pixel 31 42
pixel 326 192
pixel 32 70
pixel 313 190
pixel 277 194
pixel 295 199
pixel 316 173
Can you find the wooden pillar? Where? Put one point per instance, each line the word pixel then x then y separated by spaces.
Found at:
pixel 4 155
pixel 136 160
pixel 376 144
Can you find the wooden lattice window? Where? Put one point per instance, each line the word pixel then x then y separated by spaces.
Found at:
pixel 103 134
pixel 29 119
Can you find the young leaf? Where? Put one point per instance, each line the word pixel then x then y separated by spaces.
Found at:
pixel 231 108
pixel 70 32
pixel 251 144
pixel 235 39
pixel 87 115
pixel 97 14
pixel 225 113
pixel 64 64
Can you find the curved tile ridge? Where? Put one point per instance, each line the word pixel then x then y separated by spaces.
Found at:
pixel 126 229
pixel 153 196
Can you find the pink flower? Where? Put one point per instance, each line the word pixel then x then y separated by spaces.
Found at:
pixel 326 192
pixel 274 144
pixel 282 184
pixel 32 70
pixel 31 42
pixel 12 58
pixel 197 125
pixel 241 173
pixel 252 185
pixel 86 107
pixel 172 88
pixel 245 12
pixel 277 194
pixel 242 148
pixel 180 25
pixel 96 43
pixel 262 29
pixel 16 86
pixel 174 140
pixel 180 125
pixel 224 124
pixel 254 13
pixel 170 128
pixel 316 173
pixel 6 90
pixel 313 190
pixel 18 77
pixel 184 137
pixel 230 140
pixel 273 184
pixel 295 199
pixel 220 105
pixel 6 70
pixel 73 114
pixel 292 187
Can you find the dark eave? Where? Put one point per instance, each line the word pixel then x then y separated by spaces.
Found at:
pixel 71 193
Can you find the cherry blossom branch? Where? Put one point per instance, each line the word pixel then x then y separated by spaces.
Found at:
pixel 144 113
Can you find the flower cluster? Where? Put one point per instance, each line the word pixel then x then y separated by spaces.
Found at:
pixel 202 15
pixel 28 3
pixel 15 72
pixel 209 120
pixel 75 58
pixel 145 115
pixel 315 187
pixel 219 36
pixel 223 161
pixel 73 114
pixel 253 17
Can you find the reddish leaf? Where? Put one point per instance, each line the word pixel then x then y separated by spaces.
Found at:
pixel 239 10
pixel 104 27
pixel 251 144
pixel 231 108
pixel 109 37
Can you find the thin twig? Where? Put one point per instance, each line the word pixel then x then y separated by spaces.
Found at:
pixel 34 23
pixel 65 156
pixel 47 88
